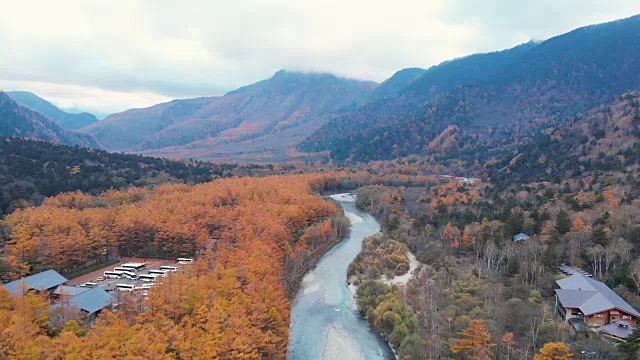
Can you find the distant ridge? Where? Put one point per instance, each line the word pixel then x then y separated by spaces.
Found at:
pixel 65 119
pixel 17 120
pixel 262 121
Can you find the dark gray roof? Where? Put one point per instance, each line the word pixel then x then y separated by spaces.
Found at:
pixel 576 282
pixel 618 329
pixel 590 296
pixel 573 298
pixel 91 300
pixel 41 281
pixel 70 290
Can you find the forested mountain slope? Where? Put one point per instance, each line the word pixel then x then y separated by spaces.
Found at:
pixel 495 99
pixel 31 170
pixel 65 119
pixel 605 139
pixel 265 119
pixel 396 83
pixel 17 120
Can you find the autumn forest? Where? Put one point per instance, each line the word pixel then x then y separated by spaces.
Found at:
pixel 484 207
pixel 254 238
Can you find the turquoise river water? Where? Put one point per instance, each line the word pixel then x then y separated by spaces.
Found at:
pixel 325 323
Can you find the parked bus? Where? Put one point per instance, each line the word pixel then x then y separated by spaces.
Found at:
pixel 147 277
pixel 135 267
pixel 168 268
pixel 162 273
pixel 112 275
pixel 185 261
pixel 128 275
pixel 89 285
pixel 121 269
pixel 125 287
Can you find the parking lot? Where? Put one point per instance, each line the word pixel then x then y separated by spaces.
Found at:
pixel 110 284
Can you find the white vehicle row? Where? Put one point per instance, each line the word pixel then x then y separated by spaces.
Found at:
pixel 132 287
pixel 119 274
pixel 133 271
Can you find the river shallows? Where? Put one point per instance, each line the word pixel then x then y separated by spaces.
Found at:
pixel 324 321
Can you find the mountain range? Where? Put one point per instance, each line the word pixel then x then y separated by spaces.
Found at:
pixel 17 120
pixel 494 99
pixel 65 119
pixel 262 121
pixel 468 109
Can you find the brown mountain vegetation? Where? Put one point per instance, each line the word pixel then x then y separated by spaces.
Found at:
pixel 262 120
pixel 254 237
pixel 498 100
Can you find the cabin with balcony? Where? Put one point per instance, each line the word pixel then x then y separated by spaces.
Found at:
pixel 593 303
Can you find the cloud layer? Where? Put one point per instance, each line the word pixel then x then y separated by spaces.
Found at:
pixel 107 56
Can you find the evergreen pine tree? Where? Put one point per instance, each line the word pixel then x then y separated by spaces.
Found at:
pixel 563 222
pixel 599 236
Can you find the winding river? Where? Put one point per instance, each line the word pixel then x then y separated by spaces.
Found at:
pixel 324 321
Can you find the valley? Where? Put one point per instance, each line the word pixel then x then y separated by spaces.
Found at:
pixel 481 207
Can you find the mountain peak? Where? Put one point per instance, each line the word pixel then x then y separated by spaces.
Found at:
pixel 268 117
pixel 293 74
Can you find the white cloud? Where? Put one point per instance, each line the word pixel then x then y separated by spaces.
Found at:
pixel 111 55
pixel 86 98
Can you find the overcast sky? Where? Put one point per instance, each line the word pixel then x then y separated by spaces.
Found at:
pixel 107 56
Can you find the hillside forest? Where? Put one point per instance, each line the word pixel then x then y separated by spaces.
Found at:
pixel 475 275
pixel 31 170
pixel 541 140
pixel 254 237
pixel 473 278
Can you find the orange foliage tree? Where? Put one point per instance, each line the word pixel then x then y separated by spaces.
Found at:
pixel 554 351
pixel 577 224
pixel 507 340
pixel 474 341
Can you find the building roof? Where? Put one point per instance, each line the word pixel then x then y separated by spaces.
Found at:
pixel 91 300
pixel 573 298
pixel 40 281
pixel 520 237
pixel 568 270
pixel 70 290
pixel 620 329
pixel 590 296
pixel 576 282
